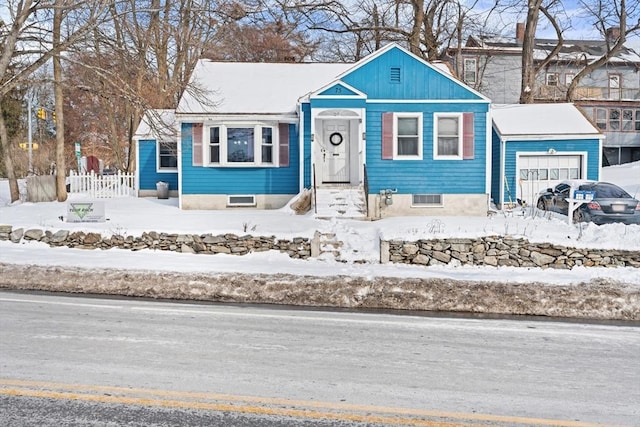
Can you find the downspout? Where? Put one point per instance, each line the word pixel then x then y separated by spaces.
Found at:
pixel 301 145
pixel 179 150
pixel 489 154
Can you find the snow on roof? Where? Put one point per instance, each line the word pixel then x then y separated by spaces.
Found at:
pixel 541 119
pixel 256 88
pixel 156 124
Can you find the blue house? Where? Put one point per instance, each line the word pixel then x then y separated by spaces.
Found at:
pixel 536 146
pixel 403 133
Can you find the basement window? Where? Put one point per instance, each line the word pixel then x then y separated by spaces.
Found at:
pixel 426 200
pixel 244 200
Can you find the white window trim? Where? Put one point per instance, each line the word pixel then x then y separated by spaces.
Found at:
pixel 436 116
pixel 160 169
pixel 396 156
pixel 257 144
pixel 241 204
pixel 474 71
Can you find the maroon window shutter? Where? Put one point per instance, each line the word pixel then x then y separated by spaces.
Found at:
pixel 283 143
pixel 468 138
pixel 197 144
pixel 387 136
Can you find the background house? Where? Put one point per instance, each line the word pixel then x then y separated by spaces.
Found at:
pixel 535 146
pixel 609 96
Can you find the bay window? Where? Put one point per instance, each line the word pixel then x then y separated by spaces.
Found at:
pixel 241 144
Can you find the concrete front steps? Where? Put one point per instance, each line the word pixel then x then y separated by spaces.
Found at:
pixel 344 202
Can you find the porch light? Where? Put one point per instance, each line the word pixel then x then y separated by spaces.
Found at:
pixel 551 151
pixel 364 135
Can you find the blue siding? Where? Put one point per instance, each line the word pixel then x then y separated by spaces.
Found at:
pixel 590 146
pixel 417 81
pixel 241 180
pixel 147 173
pixel 427 175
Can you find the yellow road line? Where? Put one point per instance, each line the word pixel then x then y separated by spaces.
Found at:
pixel 26 389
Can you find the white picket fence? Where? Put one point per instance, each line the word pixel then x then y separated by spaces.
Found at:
pixel 102 186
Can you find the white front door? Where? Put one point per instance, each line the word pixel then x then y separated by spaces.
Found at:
pixel 537 173
pixel 335 151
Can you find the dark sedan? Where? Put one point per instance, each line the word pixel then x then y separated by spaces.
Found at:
pixel 610 203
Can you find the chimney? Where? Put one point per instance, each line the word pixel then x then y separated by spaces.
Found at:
pixel 613 34
pixel 520 32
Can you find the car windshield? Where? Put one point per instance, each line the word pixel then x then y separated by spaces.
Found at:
pixel 606 191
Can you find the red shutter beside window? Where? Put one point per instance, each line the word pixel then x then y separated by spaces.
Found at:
pixel 197 144
pixel 284 144
pixel 468 138
pixel 387 136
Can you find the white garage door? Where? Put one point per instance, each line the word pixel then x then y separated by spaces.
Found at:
pixel 536 173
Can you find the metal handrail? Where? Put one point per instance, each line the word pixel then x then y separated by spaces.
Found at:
pixel 313 184
pixel 365 183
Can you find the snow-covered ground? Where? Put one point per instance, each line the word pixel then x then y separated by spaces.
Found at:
pixel 133 216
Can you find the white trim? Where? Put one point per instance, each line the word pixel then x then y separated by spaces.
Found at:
pixel 137 174
pixel 207 118
pixel 488 152
pixel 458 116
pixel 357 93
pixel 161 169
pixel 179 150
pixel 241 204
pixel 427 101
pixel 301 150
pixel 551 137
pixel 417 115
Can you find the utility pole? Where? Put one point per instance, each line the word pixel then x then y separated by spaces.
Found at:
pixel 30 140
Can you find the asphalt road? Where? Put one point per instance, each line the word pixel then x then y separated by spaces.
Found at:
pixel 88 361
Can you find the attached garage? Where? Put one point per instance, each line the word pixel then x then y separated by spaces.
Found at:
pixel 537 172
pixel 536 146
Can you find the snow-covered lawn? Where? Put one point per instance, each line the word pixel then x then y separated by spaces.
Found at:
pixel 133 216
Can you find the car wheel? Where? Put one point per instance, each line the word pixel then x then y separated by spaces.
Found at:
pixel 542 205
pixel 578 216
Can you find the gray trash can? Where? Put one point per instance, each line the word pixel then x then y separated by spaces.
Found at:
pixel 162 189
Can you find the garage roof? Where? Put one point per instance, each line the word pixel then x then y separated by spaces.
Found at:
pixel 541 120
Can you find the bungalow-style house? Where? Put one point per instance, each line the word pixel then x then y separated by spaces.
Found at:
pixel 609 96
pixel 403 133
pixel 536 146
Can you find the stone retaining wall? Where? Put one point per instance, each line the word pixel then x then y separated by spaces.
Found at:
pixel 298 247
pixel 502 251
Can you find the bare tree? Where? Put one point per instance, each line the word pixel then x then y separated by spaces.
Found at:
pixel 27 45
pixel 615 21
pixel 530 68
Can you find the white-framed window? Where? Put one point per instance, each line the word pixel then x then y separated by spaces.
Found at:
pixel 552 79
pixel 426 200
pixel 407 136
pixel 470 70
pixel 241 144
pixel 615 86
pixel 167 156
pixel 447 136
pixel 568 78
